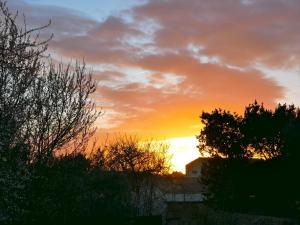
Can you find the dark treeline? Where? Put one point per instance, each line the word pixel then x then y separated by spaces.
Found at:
pixel 46 120
pixel 68 192
pixel 113 186
pixel 256 161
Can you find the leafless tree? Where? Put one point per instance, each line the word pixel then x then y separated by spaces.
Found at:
pixel 43 105
pixel 62 110
pixel 44 109
pixel 141 161
pixel 130 154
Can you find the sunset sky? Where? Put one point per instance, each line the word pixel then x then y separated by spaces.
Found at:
pixel 160 63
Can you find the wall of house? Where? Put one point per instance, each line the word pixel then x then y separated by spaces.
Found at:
pixel 193 170
pixel 184 197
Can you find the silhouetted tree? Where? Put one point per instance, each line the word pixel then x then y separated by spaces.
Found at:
pixel 140 161
pixel 263 129
pixel 42 105
pixel 44 108
pixel 62 112
pixel 221 135
pixel 235 179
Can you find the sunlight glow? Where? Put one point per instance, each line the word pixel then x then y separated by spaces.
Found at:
pixel 183 151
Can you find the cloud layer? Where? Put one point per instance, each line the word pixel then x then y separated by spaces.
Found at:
pixel 160 64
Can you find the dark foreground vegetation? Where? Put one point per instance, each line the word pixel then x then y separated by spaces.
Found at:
pixel 46 120
pixel 256 163
pixel 200 214
pixel 71 191
pixel 47 177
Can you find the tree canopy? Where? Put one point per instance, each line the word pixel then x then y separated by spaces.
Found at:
pixel 256 159
pixel 259 132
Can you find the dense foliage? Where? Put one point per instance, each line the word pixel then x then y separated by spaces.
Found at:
pixel 257 159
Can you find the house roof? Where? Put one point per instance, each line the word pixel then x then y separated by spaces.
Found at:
pixel 198 160
pixel 206 159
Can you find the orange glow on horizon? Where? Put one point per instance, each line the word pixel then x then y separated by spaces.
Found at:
pixel 183 150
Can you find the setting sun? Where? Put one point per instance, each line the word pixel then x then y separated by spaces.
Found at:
pixel 183 150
